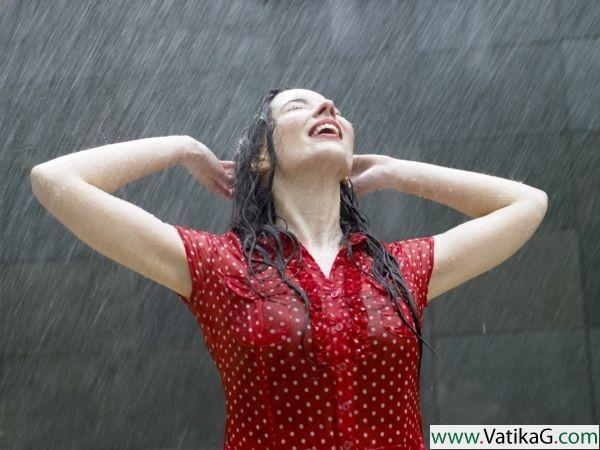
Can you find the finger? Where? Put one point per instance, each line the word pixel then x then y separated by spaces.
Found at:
pixel 358 189
pixel 224 193
pixel 357 171
pixel 228 164
pixel 226 186
pixel 356 184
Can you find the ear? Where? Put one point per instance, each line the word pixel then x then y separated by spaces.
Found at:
pixel 261 163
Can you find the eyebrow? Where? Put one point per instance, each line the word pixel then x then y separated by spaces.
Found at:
pixel 294 100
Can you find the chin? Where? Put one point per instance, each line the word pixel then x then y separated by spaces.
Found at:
pixel 334 151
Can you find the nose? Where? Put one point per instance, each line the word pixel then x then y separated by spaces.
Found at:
pixel 326 106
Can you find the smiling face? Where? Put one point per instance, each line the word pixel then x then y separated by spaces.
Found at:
pixel 296 112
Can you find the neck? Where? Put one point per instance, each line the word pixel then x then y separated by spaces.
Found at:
pixel 311 208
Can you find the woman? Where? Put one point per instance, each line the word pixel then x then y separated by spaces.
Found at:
pixel 313 323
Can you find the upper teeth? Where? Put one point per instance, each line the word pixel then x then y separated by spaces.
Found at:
pixel 326 125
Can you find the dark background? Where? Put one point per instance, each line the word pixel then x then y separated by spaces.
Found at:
pixel 94 355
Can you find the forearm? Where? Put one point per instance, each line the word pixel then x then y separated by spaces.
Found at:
pixel 474 194
pixel 112 166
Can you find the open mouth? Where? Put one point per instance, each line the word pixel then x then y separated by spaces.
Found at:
pixel 326 129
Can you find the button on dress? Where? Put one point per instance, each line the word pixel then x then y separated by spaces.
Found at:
pixel 361 390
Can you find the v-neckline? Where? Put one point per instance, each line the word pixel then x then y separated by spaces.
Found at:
pixel 319 268
pixel 304 250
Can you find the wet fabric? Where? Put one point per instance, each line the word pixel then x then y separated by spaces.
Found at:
pixel 363 391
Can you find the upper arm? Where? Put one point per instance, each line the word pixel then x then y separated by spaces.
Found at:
pixel 118 229
pixel 417 256
pixel 476 246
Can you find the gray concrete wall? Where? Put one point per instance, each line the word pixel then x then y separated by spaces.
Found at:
pixel 95 356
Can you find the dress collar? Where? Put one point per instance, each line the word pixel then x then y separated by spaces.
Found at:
pixel 355 238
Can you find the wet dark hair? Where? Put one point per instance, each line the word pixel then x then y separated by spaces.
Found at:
pixel 253 218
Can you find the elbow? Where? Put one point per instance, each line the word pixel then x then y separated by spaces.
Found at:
pixel 539 204
pixel 36 173
pixel 43 182
pixel 539 198
pixel 48 183
pixel 36 177
pixel 543 200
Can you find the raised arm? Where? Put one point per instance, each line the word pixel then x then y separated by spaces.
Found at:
pixel 506 213
pixel 76 188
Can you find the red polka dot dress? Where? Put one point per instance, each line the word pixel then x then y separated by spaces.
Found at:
pixel 360 390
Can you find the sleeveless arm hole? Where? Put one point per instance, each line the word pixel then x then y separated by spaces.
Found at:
pixel 417 254
pixel 198 246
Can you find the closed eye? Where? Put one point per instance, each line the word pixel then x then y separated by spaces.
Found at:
pixel 291 108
